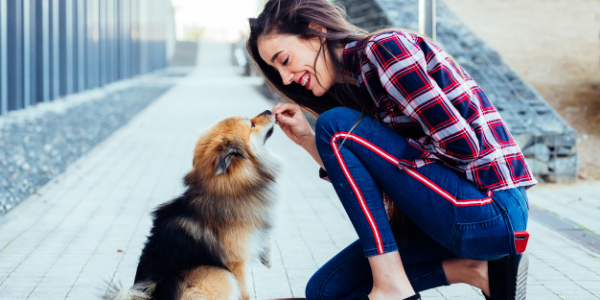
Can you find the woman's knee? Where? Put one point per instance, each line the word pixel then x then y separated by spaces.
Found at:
pixel 314 286
pixel 335 120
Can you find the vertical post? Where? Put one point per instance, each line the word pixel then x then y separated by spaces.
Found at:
pixel 3 60
pixel 80 45
pixel 69 59
pixel 102 43
pixel 15 55
pixel 115 40
pixel 427 18
pixel 26 54
pixel 109 38
pixel 55 50
pixel 91 8
pixel 46 50
pixel 33 52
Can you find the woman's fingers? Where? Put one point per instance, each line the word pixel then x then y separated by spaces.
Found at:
pixel 286 108
pixel 276 109
pixel 287 113
pixel 284 119
pixel 292 122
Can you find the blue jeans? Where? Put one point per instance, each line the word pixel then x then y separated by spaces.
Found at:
pixel 454 218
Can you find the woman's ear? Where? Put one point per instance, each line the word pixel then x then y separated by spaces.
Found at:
pixel 317 27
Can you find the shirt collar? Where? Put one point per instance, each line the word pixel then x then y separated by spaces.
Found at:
pixel 350 57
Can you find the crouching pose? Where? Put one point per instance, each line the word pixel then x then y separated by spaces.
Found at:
pixel 398 119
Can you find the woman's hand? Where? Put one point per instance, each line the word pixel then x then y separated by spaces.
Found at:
pixel 292 121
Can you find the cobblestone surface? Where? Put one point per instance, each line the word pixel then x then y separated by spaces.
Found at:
pixel 548 142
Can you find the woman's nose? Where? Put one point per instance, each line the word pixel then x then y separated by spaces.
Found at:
pixel 287 77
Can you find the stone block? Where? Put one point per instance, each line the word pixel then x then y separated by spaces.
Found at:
pixel 563 165
pixel 539 151
pixel 538 167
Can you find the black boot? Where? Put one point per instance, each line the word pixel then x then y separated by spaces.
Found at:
pixel 508 277
pixel 416 296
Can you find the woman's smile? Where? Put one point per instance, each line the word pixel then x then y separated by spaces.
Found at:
pixel 298 60
pixel 304 80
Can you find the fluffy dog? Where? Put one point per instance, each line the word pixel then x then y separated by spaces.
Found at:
pixel 201 243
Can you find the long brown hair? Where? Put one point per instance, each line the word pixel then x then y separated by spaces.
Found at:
pixel 293 17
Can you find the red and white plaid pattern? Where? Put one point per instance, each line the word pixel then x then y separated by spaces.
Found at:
pixel 421 92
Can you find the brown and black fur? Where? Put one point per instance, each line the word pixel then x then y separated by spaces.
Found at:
pixel 201 243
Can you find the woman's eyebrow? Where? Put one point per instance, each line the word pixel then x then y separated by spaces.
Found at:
pixel 275 56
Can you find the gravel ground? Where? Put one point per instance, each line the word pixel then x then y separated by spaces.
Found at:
pixel 39 146
pixel 38 143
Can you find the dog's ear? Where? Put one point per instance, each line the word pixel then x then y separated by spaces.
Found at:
pixel 230 153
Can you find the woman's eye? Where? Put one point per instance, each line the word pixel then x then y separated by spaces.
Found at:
pixel 285 62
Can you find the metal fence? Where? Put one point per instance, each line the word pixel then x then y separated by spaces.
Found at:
pixel 52 48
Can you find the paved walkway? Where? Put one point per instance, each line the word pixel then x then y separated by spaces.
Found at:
pixel 88 225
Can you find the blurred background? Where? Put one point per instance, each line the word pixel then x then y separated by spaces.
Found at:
pixel 538 61
pixel 224 20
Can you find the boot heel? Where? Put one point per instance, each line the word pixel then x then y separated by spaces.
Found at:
pixel 416 296
pixel 508 277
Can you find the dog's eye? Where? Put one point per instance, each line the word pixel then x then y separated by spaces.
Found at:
pixel 252 124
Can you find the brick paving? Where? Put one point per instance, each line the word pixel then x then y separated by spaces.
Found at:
pixel 88 225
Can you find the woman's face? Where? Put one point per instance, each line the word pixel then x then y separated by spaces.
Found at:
pixel 294 59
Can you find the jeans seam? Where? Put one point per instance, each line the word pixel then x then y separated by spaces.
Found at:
pixel 522 193
pixel 322 288
pixel 509 228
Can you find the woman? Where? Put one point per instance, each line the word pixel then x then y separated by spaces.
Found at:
pixel 397 116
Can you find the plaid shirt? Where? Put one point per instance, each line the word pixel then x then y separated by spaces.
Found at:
pixel 419 91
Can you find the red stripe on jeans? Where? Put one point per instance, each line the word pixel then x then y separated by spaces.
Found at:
pixel 358 194
pixel 440 191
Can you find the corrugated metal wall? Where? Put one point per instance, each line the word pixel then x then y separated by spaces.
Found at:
pixel 52 48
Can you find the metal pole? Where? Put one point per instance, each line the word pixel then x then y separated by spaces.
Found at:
pixel 27 54
pixel 80 46
pixel 3 58
pixel 46 50
pixel 427 18
pixel 55 50
pixel 69 33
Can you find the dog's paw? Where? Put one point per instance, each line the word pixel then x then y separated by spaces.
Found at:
pixel 265 258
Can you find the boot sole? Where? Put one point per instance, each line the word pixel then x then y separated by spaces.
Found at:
pixel 509 276
pixel 520 286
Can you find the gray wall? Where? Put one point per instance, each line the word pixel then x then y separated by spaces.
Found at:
pixel 53 48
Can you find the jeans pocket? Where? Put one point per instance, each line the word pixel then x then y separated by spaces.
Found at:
pixel 483 240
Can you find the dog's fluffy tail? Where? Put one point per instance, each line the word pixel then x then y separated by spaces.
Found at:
pixel 139 291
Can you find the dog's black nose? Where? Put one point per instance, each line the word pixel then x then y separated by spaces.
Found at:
pixel 266 112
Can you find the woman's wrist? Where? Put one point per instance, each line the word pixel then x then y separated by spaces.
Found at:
pixel 308 142
pixel 310 145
